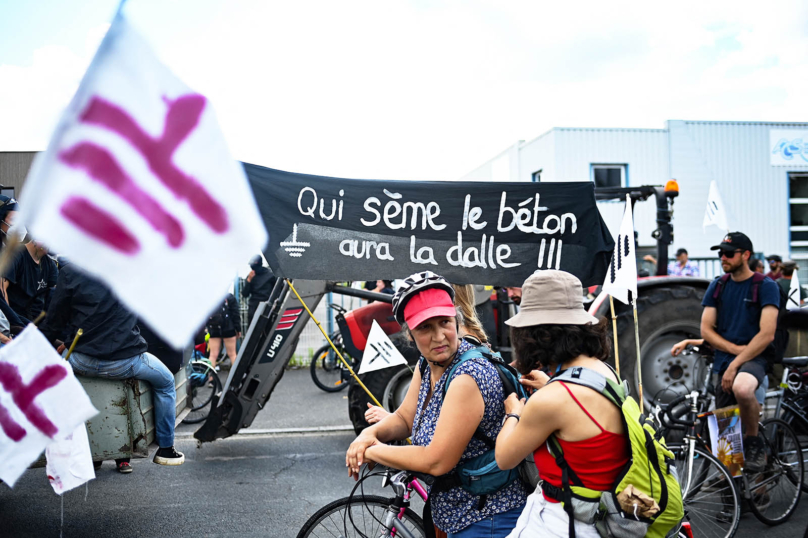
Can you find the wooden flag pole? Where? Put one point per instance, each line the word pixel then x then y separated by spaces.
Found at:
pixel 637 340
pixel 614 333
pixel 73 345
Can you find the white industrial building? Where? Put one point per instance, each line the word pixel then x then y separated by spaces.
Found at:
pixel 761 170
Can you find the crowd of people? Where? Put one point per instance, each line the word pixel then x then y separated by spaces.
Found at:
pixel 114 343
pixel 453 423
pixel 552 332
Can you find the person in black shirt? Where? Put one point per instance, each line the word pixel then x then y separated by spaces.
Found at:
pixel 28 281
pixel 8 214
pixel 258 286
pixel 111 347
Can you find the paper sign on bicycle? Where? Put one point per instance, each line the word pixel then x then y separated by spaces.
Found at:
pixel 726 438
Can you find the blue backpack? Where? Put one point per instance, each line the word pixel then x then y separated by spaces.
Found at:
pixel 481 475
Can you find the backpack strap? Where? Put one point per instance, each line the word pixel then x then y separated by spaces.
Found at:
pixel 473 353
pixel 757 279
pixel 722 280
pixel 586 377
pixel 568 478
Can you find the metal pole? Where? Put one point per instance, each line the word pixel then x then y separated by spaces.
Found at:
pixel 614 333
pixel 637 340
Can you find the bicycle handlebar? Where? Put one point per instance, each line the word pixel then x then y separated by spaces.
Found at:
pixel 338 308
pixel 666 417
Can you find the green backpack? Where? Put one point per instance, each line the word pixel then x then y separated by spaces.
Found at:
pixel 650 470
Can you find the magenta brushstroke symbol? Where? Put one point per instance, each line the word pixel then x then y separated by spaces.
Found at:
pixel 182 117
pixel 23 396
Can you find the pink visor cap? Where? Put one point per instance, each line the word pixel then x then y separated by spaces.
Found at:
pixel 429 303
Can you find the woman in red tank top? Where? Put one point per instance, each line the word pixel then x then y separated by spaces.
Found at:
pixel 553 332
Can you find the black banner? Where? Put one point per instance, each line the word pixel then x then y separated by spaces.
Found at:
pixel 324 228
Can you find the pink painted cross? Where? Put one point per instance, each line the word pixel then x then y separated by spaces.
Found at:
pixel 23 396
pixel 182 117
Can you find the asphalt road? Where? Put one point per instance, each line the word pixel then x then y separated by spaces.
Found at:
pixel 263 483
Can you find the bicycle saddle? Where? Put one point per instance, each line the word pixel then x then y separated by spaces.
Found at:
pixel 795 361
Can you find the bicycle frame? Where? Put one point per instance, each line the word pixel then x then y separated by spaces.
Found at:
pixel 403 495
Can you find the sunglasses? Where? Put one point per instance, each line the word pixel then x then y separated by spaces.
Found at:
pixel 728 254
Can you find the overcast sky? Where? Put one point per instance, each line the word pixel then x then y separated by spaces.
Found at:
pixel 418 89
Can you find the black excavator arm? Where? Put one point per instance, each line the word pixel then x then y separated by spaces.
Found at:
pixel 268 346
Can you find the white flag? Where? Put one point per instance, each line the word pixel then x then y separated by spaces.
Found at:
pixel 40 401
pixel 794 293
pixel 70 461
pixel 379 351
pixel 622 274
pixel 716 212
pixel 138 188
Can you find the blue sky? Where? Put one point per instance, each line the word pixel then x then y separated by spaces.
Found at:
pixel 416 89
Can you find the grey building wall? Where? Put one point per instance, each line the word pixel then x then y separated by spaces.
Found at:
pixel 14 167
pixel 734 154
pixel 737 156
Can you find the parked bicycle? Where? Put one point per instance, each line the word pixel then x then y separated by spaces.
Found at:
pixel 790 402
pixel 204 383
pixel 327 371
pixel 372 515
pixel 711 495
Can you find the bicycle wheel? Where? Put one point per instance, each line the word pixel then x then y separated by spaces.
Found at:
pixel 204 383
pixel 327 369
pixel 357 516
pixel 799 424
pixel 775 492
pixel 711 502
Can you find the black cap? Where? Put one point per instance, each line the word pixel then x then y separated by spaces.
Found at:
pixel 734 241
pixel 7 205
pixel 681 251
pixel 774 258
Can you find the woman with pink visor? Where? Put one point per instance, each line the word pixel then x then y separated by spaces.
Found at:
pixel 446 429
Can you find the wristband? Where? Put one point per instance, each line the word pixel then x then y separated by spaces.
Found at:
pixel 514 415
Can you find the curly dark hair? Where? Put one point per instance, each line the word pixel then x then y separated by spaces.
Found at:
pixel 547 346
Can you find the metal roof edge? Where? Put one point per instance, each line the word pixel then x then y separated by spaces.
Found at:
pixel 707 122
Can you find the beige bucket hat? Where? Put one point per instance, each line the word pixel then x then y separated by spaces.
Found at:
pixel 551 297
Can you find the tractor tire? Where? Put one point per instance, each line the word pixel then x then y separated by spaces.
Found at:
pixel 388 385
pixel 666 315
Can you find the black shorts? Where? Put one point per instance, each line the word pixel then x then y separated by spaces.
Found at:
pixel 215 332
pixel 756 367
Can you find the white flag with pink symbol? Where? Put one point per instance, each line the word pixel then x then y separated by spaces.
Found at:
pixel 41 402
pixel 138 188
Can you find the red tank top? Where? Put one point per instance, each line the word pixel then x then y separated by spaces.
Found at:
pixel 597 461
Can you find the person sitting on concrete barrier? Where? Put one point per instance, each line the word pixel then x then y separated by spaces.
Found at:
pixel 111 347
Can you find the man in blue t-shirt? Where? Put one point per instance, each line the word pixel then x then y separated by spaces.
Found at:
pixel 741 329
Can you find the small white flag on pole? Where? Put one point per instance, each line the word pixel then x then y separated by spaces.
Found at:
pixel 716 212
pixel 622 274
pixel 794 293
pixel 379 352
pixel 137 185
pixel 40 401
pixel 70 461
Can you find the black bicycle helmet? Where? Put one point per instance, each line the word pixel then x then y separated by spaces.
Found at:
pixel 413 285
